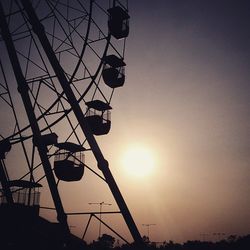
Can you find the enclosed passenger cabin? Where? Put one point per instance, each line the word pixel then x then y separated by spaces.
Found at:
pixel 25 194
pixel 21 227
pixel 98 117
pixel 118 22
pixel 18 219
pixel 113 72
pixel 69 161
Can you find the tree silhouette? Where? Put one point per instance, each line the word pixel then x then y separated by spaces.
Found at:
pixel 104 242
pixel 233 242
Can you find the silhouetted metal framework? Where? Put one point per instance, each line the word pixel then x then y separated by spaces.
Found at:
pixel 37 137
pixel 44 65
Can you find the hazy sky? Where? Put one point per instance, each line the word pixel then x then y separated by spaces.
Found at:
pixel 187 97
pixel 186 101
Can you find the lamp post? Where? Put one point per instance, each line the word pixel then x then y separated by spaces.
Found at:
pixel 148 225
pixel 100 217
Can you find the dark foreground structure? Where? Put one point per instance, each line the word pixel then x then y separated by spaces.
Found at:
pixel 22 228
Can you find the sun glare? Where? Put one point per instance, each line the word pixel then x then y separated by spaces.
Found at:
pixel 138 161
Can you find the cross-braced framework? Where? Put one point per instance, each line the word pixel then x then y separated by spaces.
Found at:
pixel 60 64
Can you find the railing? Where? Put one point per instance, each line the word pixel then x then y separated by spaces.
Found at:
pixel 61 155
pixel 106 115
pixel 23 196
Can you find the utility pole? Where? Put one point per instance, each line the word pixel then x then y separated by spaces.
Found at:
pixel 148 225
pixel 100 217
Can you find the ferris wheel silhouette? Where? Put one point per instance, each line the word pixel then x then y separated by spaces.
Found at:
pixel 60 63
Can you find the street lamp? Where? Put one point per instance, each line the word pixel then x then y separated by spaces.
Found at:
pixel 148 225
pixel 100 217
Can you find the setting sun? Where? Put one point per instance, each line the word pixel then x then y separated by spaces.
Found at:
pixel 138 161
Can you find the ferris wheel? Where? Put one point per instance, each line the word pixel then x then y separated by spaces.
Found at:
pixel 60 63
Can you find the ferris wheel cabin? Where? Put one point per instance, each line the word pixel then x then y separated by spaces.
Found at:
pixel 25 192
pixel 21 194
pixel 113 72
pixel 118 22
pixel 98 117
pixel 69 162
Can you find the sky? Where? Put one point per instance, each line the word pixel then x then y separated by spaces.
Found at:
pixel 187 99
pixel 184 111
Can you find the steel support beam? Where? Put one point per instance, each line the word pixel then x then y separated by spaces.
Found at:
pixel 41 147
pixel 101 161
